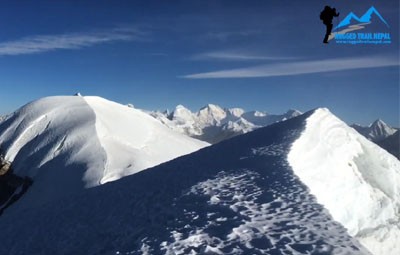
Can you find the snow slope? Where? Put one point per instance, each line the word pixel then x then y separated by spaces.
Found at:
pixel 133 140
pixel 68 143
pixel 239 196
pixel 214 124
pixel 356 180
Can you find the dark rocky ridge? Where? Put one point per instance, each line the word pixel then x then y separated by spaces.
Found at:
pixel 12 186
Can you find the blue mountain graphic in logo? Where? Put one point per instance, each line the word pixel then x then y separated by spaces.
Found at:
pixel 366 18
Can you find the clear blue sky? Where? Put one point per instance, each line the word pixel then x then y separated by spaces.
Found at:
pixel 157 54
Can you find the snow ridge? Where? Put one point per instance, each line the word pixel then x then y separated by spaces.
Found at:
pixel 356 180
pixel 52 141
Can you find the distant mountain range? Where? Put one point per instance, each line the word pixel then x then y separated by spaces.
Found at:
pixel 366 18
pixel 213 123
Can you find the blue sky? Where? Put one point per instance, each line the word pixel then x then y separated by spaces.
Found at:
pixel 264 55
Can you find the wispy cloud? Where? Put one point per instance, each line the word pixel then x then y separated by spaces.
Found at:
pixel 226 35
pixel 300 67
pixel 235 56
pixel 44 43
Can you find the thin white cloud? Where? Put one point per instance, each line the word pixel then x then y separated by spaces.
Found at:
pixel 234 56
pixel 226 35
pixel 44 43
pixel 300 67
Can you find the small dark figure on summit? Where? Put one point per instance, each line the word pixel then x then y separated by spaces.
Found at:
pixel 327 16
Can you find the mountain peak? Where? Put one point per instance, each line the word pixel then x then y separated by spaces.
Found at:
pixel 293 112
pixel 376 131
pixel 181 110
pixel 181 107
pixel 378 122
pixel 211 114
pixel 236 112
pixel 211 107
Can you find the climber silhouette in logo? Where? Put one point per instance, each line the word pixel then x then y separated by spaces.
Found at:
pixel 327 16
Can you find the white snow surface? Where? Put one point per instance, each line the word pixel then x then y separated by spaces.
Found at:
pixel 239 196
pixel 68 143
pixel 356 180
pixel 133 140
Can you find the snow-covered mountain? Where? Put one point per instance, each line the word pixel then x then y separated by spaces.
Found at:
pixel 377 131
pixel 214 124
pixel 68 143
pixel 288 188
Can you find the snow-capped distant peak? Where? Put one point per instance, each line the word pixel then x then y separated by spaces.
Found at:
pixel 240 126
pixel 236 112
pixel 211 115
pixel 259 114
pixel 212 109
pixel 379 123
pixel 380 130
pixel 376 131
pixel 182 114
pixel 181 109
pixel 293 112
